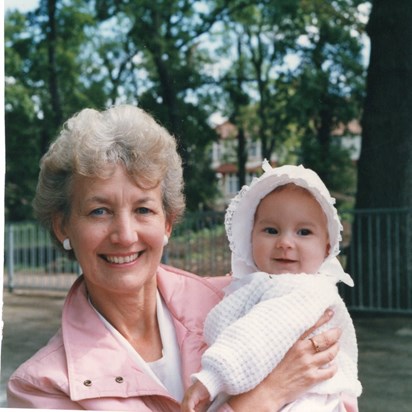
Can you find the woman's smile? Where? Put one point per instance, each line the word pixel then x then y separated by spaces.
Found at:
pixel 122 259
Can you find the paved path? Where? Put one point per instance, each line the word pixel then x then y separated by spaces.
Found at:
pixel 385 348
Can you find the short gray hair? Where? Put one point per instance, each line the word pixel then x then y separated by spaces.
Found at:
pixel 92 143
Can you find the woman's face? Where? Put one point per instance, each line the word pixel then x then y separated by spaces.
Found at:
pixel 116 230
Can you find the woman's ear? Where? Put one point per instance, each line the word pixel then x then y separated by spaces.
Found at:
pixel 168 228
pixel 58 227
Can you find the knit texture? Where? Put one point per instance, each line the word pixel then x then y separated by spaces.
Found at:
pixel 251 330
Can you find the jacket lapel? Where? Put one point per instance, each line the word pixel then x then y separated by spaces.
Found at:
pixel 97 365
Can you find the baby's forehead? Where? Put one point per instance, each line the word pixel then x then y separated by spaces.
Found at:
pixel 291 187
pixel 294 189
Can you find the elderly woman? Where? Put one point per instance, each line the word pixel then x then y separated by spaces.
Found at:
pixel 110 189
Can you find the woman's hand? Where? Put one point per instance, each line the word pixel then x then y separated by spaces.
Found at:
pixel 301 368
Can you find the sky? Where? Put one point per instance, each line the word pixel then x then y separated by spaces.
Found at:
pixel 27 5
pixel 21 5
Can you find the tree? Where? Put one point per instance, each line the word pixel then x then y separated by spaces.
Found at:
pixel 385 167
pixel 53 78
pixel 237 101
pixel 328 85
pixel 43 86
pixel 21 128
pixel 297 106
pixel 167 37
pixel 71 54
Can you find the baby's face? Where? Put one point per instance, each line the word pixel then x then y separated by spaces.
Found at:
pixel 290 232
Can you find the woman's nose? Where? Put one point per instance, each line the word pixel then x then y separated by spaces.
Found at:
pixel 124 231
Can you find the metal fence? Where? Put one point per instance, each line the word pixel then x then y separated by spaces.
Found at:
pixel 375 251
pixel 33 262
pixel 378 255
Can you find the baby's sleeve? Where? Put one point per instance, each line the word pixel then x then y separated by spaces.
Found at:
pixel 232 307
pixel 248 349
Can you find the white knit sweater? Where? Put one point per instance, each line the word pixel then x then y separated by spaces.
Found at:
pixel 251 330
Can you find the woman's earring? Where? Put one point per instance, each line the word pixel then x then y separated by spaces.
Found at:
pixel 66 244
pixel 165 240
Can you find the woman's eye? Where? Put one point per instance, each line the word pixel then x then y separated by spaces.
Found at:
pixel 143 210
pixel 98 212
pixel 271 231
pixel 304 232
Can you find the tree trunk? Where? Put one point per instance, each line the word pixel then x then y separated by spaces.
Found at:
pixel 241 157
pixel 385 167
pixel 385 164
pixel 57 114
pixel 239 100
pixel 324 131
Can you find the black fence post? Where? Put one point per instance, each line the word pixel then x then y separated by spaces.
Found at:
pixel 10 258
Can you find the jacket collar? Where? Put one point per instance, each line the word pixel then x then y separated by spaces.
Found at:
pixel 99 367
pixel 200 295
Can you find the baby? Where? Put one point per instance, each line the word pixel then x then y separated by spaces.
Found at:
pixel 284 234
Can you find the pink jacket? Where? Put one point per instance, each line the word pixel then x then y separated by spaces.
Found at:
pixel 84 367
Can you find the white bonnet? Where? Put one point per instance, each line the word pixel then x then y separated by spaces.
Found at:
pixel 240 214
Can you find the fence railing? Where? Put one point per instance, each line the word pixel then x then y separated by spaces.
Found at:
pixel 32 260
pixel 378 256
pixel 376 251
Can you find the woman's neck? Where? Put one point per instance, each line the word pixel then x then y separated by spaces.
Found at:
pixel 133 315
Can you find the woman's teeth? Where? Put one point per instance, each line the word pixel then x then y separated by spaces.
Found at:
pixel 122 259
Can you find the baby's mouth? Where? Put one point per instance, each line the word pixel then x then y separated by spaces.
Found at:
pixel 283 260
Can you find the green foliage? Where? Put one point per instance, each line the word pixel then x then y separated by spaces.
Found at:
pixel 32 118
pixel 182 61
pixel 165 36
pixel 327 87
pixel 22 148
pixel 336 169
pixel 294 108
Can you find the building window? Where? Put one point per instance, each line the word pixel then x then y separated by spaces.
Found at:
pixel 253 149
pixel 216 152
pixel 232 183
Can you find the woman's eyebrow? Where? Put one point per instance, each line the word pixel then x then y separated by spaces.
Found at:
pixel 106 199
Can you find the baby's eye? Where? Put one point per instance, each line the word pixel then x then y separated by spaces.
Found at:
pixel 304 232
pixel 271 231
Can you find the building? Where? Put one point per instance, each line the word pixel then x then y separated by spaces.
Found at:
pixel 224 161
pixel 224 157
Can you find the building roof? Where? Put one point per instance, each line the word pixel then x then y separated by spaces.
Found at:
pixel 226 130
pixel 353 128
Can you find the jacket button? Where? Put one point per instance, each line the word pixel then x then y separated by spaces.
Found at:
pixel 119 379
pixel 87 382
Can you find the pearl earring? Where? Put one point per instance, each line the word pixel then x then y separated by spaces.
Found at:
pixel 66 244
pixel 165 240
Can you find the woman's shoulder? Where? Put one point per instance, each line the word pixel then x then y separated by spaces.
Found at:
pixel 183 290
pixel 44 365
pixel 42 381
pixel 214 283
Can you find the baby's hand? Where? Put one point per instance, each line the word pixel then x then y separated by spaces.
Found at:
pixel 197 398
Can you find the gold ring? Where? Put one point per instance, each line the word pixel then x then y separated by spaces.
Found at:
pixel 316 347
